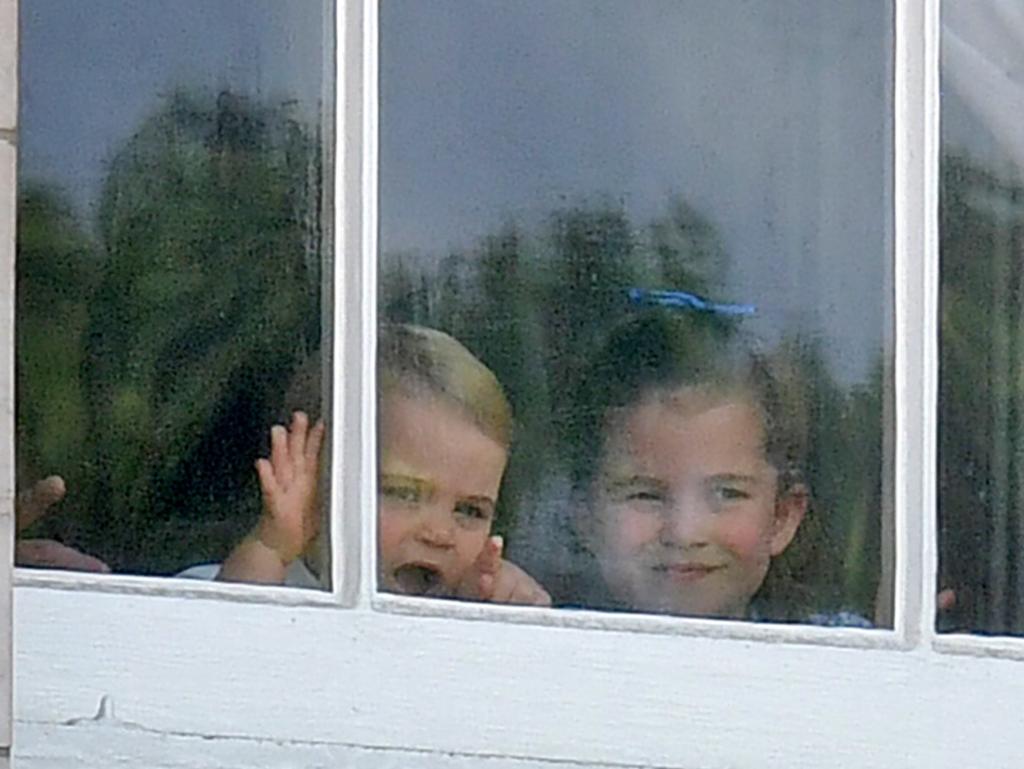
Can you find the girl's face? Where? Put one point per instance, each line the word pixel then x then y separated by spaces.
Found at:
pixel 685 511
pixel 439 480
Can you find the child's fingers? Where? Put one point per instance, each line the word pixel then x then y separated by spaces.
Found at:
pixel 485 587
pixel 528 593
pixel 515 586
pixel 297 436
pixel 279 455
pixel 268 482
pixel 50 554
pixel 316 439
pixel 487 567
pixel 481 579
pixel 35 503
pixel 489 560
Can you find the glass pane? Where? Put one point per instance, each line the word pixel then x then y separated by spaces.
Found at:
pixel 981 406
pixel 664 228
pixel 173 232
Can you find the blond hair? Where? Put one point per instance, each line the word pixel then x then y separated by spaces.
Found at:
pixel 415 360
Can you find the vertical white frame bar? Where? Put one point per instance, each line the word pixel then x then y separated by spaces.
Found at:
pixel 916 159
pixel 326 132
pixel 354 435
pixel 8 202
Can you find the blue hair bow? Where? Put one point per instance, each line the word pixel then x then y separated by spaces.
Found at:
pixel 684 300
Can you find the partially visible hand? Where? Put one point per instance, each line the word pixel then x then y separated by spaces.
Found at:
pixel 946 599
pixel 288 482
pixel 494 579
pixel 34 504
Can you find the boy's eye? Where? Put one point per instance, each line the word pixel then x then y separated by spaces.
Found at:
pixel 407 494
pixel 472 511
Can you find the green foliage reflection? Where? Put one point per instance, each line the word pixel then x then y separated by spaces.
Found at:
pixel 981 398
pixel 153 355
pixel 179 333
pixel 534 305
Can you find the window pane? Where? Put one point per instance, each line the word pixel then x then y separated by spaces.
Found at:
pixel 664 228
pixel 172 236
pixel 981 453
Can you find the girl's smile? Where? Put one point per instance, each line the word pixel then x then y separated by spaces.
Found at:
pixel 685 511
pixel 688 572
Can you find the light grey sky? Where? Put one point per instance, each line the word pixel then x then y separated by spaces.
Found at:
pixel 772 118
pixel 92 70
pixel 983 83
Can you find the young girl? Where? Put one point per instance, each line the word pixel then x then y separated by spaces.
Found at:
pixel 445 432
pixel 686 473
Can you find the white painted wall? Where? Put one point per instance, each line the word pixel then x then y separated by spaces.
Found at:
pixel 114 746
pixel 201 672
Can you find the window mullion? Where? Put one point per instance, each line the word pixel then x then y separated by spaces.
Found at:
pixel 8 197
pixel 916 144
pixel 354 497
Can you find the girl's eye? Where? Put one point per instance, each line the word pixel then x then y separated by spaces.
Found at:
pixel 644 500
pixel 731 493
pixel 472 511
pixel 643 496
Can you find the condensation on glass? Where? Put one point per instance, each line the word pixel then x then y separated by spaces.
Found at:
pixel 173 241
pixel 664 228
pixel 981 396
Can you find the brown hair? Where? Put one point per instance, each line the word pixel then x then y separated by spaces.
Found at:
pixel 659 351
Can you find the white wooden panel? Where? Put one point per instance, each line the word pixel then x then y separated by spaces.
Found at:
pixel 102 744
pixel 354 408
pixel 8 157
pixel 916 259
pixel 316 675
pixel 8 64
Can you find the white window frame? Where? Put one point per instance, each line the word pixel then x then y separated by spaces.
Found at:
pixel 146 670
pixel 8 154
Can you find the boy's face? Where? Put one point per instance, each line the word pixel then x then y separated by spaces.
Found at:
pixel 684 514
pixel 439 480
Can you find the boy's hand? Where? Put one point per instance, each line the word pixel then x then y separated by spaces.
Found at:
pixel 291 516
pixel 29 507
pixel 494 579
pixel 288 482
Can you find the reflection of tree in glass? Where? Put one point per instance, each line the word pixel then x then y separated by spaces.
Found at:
pixel 208 295
pixel 533 306
pixel 981 397
pixel 836 552
pixel 58 270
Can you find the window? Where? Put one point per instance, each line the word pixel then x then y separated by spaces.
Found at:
pixel 980 238
pixel 284 677
pixel 555 197
pixel 174 232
